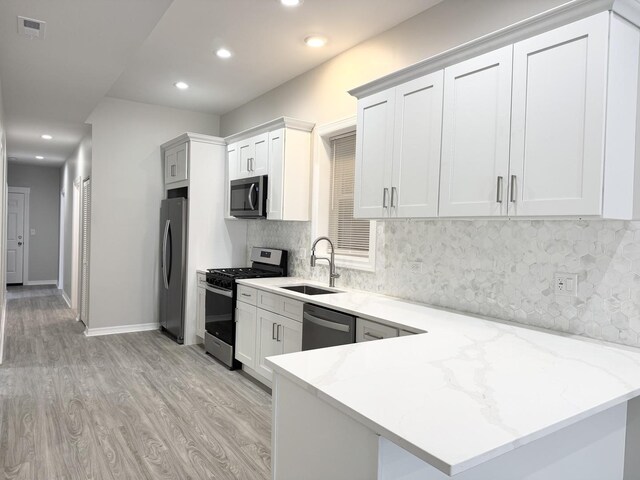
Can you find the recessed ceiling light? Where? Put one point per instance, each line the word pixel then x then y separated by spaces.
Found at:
pixel 290 3
pixel 315 41
pixel 39 157
pixel 223 53
pixel 181 85
pixel 46 136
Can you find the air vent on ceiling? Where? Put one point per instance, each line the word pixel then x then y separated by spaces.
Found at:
pixel 31 28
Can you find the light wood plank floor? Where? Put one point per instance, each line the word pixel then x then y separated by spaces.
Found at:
pixel 130 406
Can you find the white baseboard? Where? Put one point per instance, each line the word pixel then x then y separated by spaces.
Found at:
pixel 41 282
pixel 66 298
pixel 140 327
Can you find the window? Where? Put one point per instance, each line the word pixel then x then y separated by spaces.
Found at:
pixel 333 200
pixel 350 236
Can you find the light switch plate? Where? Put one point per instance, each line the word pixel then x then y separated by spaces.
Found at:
pixel 33 231
pixel 566 284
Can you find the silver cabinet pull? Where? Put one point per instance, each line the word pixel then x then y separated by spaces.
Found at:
pixel 499 190
pixel 385 192
pixel 253 164
pixel 273 331
pixel 245 295
pixel 514 182
pixel 371 335
pixel 174 170
pixel 394 195
pixel 278 333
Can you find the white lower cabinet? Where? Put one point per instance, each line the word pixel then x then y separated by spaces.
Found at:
pixel 200 308
pixel 246 320
pixel 366 331
pixel 276 335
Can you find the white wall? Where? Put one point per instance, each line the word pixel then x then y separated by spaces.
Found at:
pixel 3 224
pixel 77 165
pixel 320 95
pixel 44 217
pixel 127 186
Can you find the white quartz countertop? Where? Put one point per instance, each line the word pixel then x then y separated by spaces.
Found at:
pixel 465 392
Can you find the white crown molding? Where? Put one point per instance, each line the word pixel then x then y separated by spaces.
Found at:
pixel 140 327
pixel 193 137
pixel 281 122
pixel 545 21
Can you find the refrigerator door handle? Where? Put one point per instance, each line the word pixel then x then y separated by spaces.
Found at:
pixel 164 255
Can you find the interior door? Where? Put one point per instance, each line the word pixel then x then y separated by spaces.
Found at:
pixel 15 237
pixel 557 140
pixel 84 273
pixel 475 136
pixel 416 147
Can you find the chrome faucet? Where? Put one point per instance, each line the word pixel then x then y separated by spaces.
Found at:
pixel 332 261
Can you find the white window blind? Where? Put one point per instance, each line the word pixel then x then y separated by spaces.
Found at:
pixel 350 236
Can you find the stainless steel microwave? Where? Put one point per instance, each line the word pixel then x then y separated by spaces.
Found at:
pixel 248 197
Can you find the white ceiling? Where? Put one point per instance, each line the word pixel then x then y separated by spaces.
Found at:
pixel 137 49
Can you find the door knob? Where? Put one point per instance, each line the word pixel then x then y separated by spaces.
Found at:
pixel 19 243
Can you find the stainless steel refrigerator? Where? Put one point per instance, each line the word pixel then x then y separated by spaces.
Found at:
pixel 173 244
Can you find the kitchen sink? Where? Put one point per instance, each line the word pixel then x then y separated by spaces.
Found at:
pixel 309 289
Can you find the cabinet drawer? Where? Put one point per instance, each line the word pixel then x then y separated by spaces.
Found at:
pixel 367 330
pixel 281 305
pixel 247 294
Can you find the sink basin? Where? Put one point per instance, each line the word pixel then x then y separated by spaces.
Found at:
pixel 309 289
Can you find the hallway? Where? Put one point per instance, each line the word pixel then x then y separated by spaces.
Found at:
pixel 131 406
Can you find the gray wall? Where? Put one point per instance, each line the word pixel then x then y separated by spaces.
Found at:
pixel 44 216
pixel 77 165
pixel 127 186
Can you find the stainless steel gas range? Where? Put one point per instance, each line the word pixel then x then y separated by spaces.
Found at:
pixel 220 326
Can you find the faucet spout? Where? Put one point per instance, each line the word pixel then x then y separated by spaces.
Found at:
pixel 332 261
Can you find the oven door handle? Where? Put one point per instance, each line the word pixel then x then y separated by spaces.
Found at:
pixel 325 323
pixel 219 291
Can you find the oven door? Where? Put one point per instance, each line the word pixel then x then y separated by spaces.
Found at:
pixel 248 197
pixel 218 313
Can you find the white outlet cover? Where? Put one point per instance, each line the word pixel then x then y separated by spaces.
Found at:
pixel 565 284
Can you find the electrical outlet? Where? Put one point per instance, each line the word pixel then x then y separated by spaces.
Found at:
pixel 566 284
pixel 414 267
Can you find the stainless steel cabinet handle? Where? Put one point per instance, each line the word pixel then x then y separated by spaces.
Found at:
pixel 173 170
pixel 499 190
pixel 394 195
pixel 371 335
pixel 252 164
pixel 385 192
pixel 513 188
pixel 278 332
pixel 325 323
pixel 248 169
pixel 245 295
pixel 273 331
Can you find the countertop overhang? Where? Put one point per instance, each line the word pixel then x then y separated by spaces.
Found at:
pixel 467 391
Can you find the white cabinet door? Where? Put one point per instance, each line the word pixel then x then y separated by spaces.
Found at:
pixel 175 164
pixel 200 312
pixel 233 162
pixel 246 149
pixel 557 140
pixel 275 198
pixel 260 162
pixel 267 343
pixel 374 152
pixel 290 335
pixel 416 147
pixel 246 319
pixel 475 135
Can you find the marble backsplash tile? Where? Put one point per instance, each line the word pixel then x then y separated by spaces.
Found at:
pixel 499 268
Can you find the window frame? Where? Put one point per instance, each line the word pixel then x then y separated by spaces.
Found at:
pixel 322 196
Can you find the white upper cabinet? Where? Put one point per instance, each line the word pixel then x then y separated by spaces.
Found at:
pixel 253 156
pixel 280 149
pixel 176 163
pixel 558 120
pixel 416 147
pixel 374 151
pixel 475 136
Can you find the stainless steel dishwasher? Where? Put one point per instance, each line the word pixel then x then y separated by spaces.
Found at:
pixel 322 327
